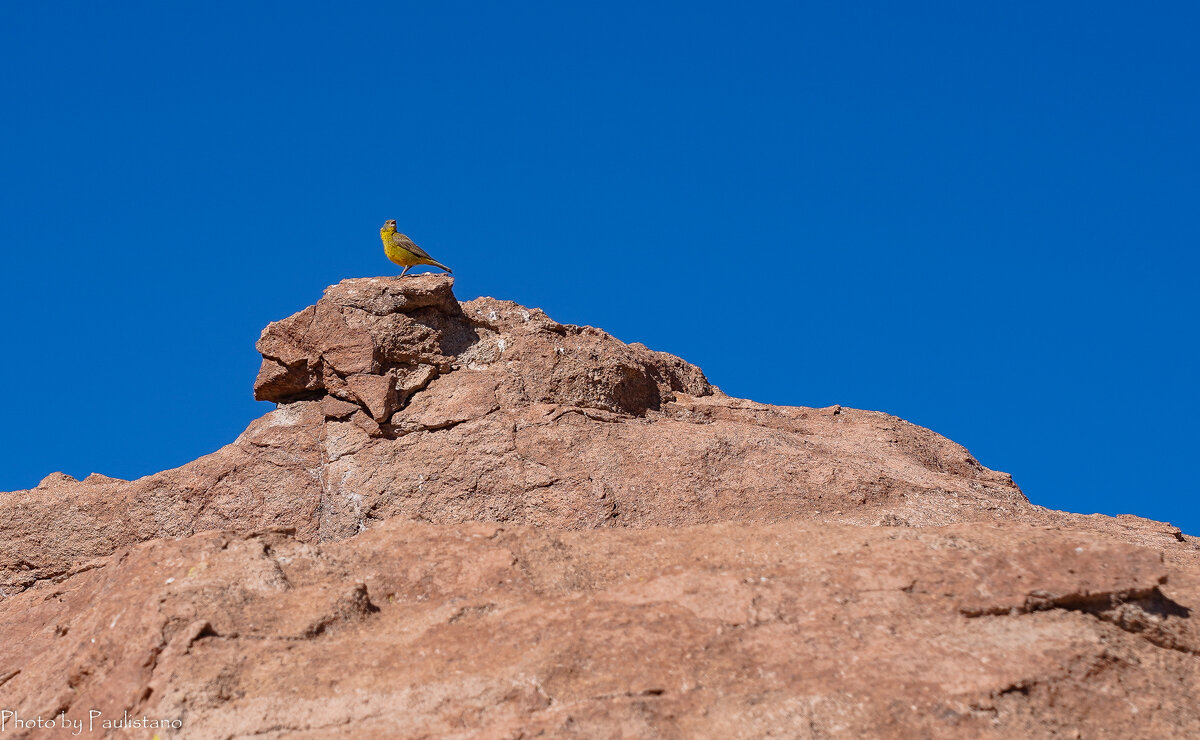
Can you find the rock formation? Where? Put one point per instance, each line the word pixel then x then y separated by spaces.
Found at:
pixel 471 520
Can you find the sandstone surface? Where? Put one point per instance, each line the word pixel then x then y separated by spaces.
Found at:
pixel 467 519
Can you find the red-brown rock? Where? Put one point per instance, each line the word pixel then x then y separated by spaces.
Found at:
pixel 795 629
pixel 470 520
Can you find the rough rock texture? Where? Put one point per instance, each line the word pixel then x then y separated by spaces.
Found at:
pixel 470 520
pixel 793 629
pixel 396 400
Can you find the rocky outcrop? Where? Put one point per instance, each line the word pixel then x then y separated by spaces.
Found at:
pixel 466 519
pixel 395 400
pixel 377 342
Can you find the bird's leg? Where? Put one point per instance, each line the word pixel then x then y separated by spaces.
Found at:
pixel 404 270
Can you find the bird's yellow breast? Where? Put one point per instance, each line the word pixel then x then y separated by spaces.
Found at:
pixel 396 253
pixel 402 256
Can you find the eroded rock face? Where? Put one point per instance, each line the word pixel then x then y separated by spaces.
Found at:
pixel 376 342
pixel 395 400
pixel 794 629
pixel 641 554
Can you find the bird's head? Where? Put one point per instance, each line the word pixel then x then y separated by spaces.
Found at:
pixel 389 225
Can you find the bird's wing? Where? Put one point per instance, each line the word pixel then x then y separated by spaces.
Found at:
pixel 402 241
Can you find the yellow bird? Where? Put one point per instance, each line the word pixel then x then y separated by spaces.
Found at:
pixel 403 251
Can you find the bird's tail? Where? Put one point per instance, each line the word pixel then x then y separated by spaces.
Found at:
pixel 435 263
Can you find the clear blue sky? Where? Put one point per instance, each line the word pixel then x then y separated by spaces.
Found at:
pixel 982 217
